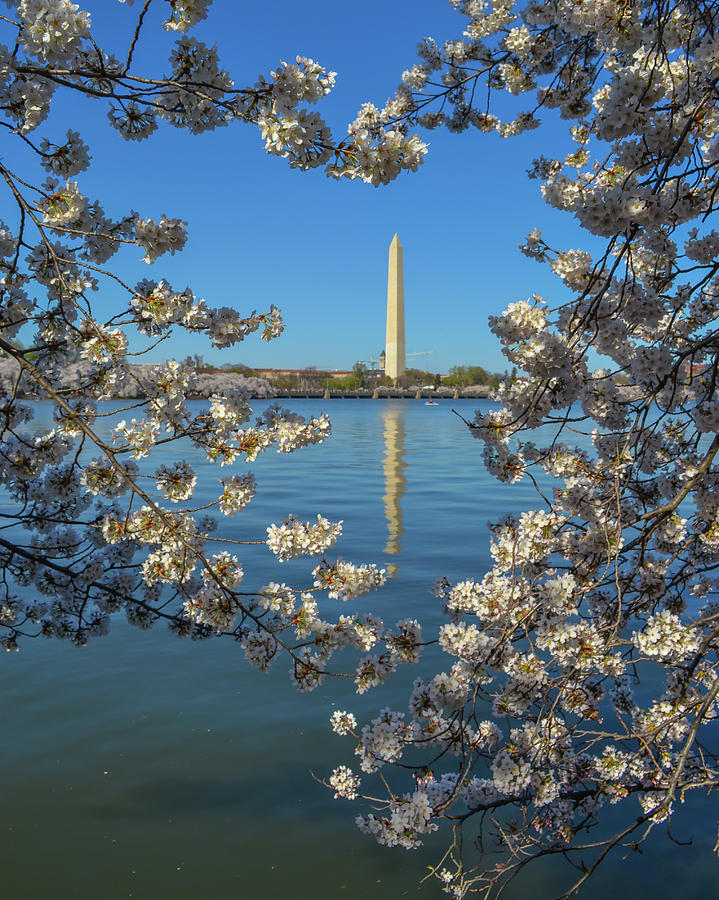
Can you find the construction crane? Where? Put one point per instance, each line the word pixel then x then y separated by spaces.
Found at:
pixel 372 363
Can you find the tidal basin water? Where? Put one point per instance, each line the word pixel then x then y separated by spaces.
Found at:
pixel 151 767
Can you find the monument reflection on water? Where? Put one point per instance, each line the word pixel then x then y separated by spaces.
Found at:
pixel 395 482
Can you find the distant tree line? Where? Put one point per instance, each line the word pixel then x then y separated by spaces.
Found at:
pixel 464 376
pixel 362 377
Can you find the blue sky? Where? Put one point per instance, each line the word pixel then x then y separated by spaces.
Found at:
pixel 260 233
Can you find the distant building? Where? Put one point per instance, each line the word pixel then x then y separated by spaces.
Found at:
pixel 324 373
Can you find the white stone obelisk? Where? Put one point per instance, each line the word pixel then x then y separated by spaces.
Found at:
pixel 394 346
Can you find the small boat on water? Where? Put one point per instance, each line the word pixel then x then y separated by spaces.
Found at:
pixel 431 403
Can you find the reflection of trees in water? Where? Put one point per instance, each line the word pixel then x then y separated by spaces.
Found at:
pixel 394 479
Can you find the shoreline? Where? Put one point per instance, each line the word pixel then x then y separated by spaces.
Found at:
pixel 77 377
pixel 386 394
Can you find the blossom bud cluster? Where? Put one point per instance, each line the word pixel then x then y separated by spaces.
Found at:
pixel 345 783
pixel 345 581
pixel 156 238
pixel 294 538
pixel 408 817
pixel 237 493
pixel 52 30
pixel 664 638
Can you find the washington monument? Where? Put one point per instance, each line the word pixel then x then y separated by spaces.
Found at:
pixel 394 364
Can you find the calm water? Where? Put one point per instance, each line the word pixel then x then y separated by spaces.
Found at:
pixel 145 766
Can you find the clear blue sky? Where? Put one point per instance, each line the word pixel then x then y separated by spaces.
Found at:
pixel 260 233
